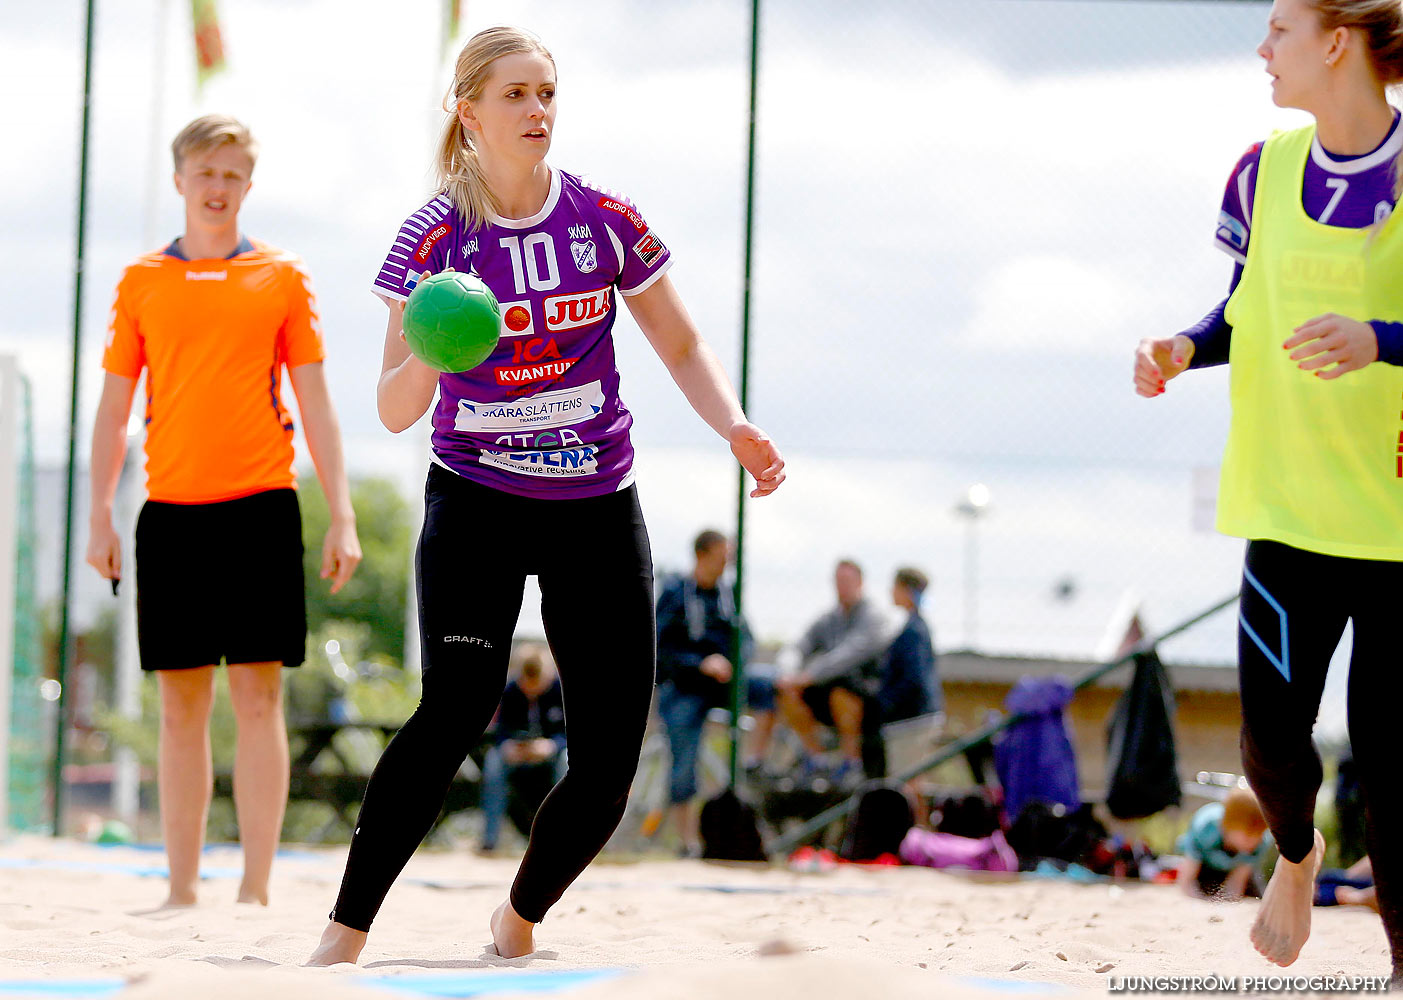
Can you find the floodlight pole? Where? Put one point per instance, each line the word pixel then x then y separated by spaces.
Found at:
pixel 65 638
pixel 737 640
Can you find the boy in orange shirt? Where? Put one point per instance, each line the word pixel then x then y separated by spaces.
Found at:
pixel 213 318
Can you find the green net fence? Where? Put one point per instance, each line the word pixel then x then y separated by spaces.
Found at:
pixel 28 747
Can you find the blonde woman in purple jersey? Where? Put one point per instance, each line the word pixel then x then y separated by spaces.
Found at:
pixel 532 473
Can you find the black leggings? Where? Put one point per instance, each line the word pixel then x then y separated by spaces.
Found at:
pixel 1292 614
pixel 592 561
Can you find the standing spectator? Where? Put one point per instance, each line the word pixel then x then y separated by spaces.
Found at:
pixel 908 684
pixel 528 742
pixel 837 673
pixel 213 319
pixel 696 625
pixel 1349 809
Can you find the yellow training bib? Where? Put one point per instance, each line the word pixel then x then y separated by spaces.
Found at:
pixel 1313 463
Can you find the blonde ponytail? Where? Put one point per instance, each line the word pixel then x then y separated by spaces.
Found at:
pixel 456 164
pixel 460 175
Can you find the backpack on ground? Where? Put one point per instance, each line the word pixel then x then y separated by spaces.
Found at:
pixel 882 818
pixel 730 829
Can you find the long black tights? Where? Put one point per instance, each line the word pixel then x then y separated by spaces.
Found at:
pixel 592 561
pixel 1292 615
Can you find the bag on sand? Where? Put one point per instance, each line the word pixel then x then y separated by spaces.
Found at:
pixel 945 850
pixel 882 817
pixel 1034 756
pixel 730 830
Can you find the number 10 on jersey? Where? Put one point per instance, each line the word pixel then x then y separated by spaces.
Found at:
pixel 526 256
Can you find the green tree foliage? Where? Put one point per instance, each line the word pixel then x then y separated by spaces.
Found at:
pixel 365 688
pixel 377 593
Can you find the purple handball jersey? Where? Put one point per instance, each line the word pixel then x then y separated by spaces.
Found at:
pixel 542 416
pixel 1349 192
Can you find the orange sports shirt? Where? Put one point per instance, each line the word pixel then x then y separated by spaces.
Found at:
pixel 213 336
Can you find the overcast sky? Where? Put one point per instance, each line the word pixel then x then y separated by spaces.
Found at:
pixel 967 214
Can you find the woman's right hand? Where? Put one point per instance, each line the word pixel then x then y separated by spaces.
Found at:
pixel 759 456
pixel 398 305
pixel 407 385
pixel 1157 360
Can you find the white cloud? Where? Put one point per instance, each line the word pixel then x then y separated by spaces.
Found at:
pixel 1047 304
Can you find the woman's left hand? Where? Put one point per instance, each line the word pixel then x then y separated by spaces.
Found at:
pixel 758 454
pixel 1335 340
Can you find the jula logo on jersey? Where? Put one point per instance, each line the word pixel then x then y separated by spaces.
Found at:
pixel 566 312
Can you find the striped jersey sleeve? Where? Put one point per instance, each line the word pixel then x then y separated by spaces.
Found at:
pixel 643 257
pixel 418 247
pixel 1235 217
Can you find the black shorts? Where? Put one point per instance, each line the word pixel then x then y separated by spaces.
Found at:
pixel 220 581
pixel 817 696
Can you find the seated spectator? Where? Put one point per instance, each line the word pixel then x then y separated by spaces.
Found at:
pixel 1224 847
pixel 1354 886
pixel 837 677
pixel 696 628
pixel 527 755
pixel 908 685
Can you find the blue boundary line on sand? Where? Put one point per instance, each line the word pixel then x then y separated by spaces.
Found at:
pixel 1012 985
pixel 460 985
pixel 62 989
pixel 141 871
pixel 220 847
pixel 467 985
pixel 721 887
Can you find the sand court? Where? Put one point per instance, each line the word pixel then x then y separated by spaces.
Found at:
pixel 81 921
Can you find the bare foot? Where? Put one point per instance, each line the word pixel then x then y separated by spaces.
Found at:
pixel 248 894
pixel 179 899
pixel 1283 920
pixel 339 943
pixel 511 934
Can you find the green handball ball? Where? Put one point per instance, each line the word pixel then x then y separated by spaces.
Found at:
pixel 451 321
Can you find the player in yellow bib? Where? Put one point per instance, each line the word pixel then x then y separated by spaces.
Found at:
pixel 1313 470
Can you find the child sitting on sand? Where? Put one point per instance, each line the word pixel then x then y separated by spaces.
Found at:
pixel 1224 847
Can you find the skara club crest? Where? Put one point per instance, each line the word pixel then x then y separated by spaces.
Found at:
pixel 586 259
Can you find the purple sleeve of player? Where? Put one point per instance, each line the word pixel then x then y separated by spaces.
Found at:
pixel 1390 337
pixel 1212 335
pixel 643 257
pixel 420 245
pixel 1235 217
pixel 1212 338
